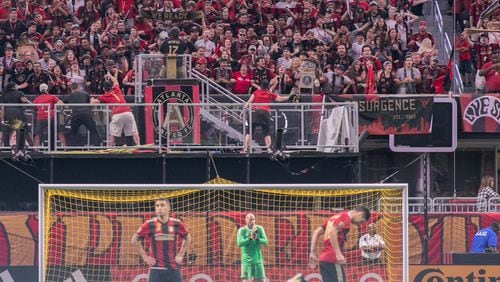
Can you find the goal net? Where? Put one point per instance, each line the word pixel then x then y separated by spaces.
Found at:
pixel 86 230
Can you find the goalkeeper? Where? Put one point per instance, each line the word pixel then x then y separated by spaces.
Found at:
pixel 249 238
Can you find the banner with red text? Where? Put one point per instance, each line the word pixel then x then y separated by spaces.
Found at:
pixel 480 113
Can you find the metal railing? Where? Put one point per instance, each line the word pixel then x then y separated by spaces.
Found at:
pixel 443 37
pixel 440 205
pixel 154 66
pixel 24 116
pixel 300 123
pixel 102 116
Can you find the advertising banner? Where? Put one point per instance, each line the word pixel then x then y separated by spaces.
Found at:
pixel 435 273
pixel 290 233
pixel 392 115
pixel 480 113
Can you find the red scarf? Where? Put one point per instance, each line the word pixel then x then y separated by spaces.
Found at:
pixel 370 81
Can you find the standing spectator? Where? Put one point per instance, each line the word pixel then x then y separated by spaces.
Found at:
pixel 407 77
pixel 122 120
pixel 13 28
pixel 260 113
pixel 385 78
pixel 94 80
pixel 242 81
pixel 340 82
pixel 20 75
pixel 74 75
pixel 371 245
pixel 486 192
pixel 13 114
pixel 429 74
pixel 58 83
pixel 82 115
pixel 8 59
pixel 42 116
pixel 491 72
pixel 35 80
pixel 462 46
pixel 341 57
pixel 206 43
pixel 45 60
pixel 282 82
pixel 87 14
pixel 223 74
pixel 4 77
pixel 417 38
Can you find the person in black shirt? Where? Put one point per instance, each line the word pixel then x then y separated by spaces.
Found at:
pixel 175 46
pixel 13 27
pixel 20 75
pixel 12 114
pixel 34 80
pixel 81 115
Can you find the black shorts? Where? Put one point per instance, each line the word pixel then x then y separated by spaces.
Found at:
pixel 262 119
pixel 465 66
pixel 164 275
pixel 41 127
pixel 331 272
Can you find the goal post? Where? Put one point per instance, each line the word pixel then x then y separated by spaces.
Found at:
pixel 85 231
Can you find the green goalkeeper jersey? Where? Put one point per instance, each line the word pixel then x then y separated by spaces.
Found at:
pixel 250 249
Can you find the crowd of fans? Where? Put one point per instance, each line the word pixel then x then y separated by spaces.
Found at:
pixel 366 47
pixel 478 59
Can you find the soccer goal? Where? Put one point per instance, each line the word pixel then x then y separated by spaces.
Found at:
pixel 86 230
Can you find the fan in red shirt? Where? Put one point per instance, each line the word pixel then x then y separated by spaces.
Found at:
pixel 260 113
pixel 335 231
pixel 491 73
pixel 163 233
pixel 122 120
pixel 43 113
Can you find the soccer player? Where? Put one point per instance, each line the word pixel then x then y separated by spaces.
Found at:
pixel 335 229
pixel 249 238
pixel 164 260
pixel 485 240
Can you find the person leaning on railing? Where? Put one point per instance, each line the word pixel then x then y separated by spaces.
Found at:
pixel 122 120
pixel 260 115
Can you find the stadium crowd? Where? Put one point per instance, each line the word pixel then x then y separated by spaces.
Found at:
pixel 478 59
pixel 366 47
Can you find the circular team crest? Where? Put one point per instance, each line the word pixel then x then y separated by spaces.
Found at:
pixel 177 117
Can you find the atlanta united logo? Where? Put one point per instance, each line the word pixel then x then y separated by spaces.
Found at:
pixel 175 119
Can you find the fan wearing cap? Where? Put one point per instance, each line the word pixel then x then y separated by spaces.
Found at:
pixel 250 58
pixel 491 73
pixel 201 66
pixel 339 82
pixel 173 45
pixel 8 59
pixel 416 39
pixel 261 116
pixel 122 120
pixel 43 113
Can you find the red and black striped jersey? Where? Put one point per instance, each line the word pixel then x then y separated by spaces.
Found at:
pixel 163 238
